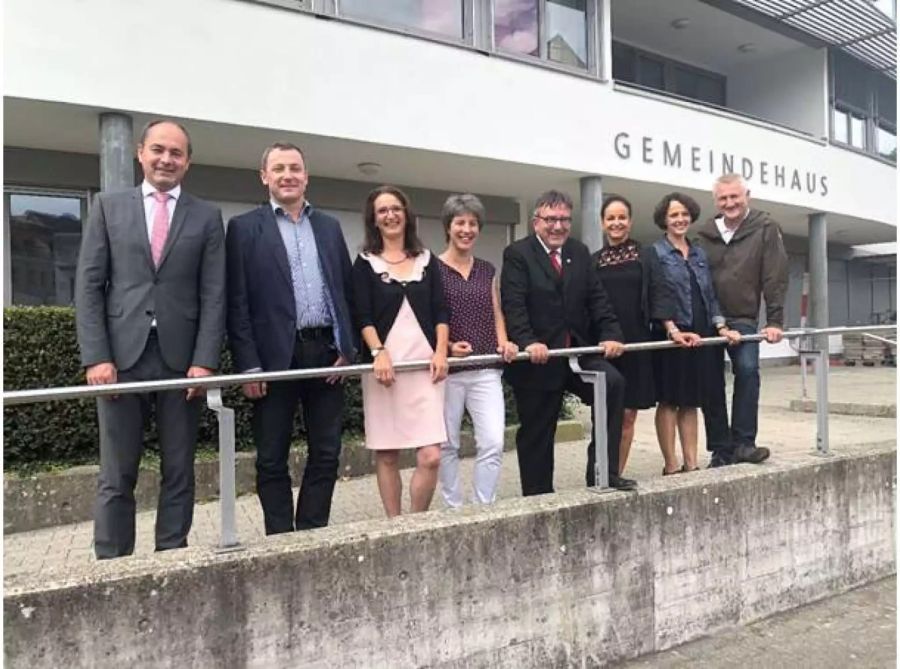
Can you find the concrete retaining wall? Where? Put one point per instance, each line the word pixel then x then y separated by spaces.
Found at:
pixel 59 498
pixel 575 579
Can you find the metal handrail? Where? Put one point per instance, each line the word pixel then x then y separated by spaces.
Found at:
pixel 228 538
pixel 15 397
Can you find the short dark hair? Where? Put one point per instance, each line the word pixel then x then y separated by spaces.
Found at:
pixel 659 214
pixel 373 242
pixel 281 146
pixel 552 198
pixel 610 199
pixel 157 121
pixel 459 205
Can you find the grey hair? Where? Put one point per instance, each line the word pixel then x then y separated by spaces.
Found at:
pixel 730 178
pixel 552 198
pixel 459 205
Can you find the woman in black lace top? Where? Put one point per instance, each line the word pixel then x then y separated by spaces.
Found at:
pixel 624 278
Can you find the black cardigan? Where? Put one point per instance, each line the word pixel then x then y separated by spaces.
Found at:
pixel 378 298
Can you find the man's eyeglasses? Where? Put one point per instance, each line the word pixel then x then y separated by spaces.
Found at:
pixel 384 211
pixel 553 220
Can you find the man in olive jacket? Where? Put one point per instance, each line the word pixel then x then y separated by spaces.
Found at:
pixel 748 261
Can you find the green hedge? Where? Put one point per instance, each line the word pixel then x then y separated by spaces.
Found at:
pixel 40 351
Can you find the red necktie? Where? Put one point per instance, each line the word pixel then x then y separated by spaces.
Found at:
pixel 557 265
pixel 555 261
pixel 160 226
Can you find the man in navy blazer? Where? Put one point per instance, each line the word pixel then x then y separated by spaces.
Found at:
pixel 289 306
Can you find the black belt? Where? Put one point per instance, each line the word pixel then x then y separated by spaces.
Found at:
pixel 315 334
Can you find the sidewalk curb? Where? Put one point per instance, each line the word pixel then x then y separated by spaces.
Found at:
pixel 60 498
pixel 848 408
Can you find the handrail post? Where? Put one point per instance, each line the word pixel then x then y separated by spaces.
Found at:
pixel 822 399
pixel 227 462
pixel 598 412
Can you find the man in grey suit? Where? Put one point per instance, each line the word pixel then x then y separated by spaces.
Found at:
pixel 150 305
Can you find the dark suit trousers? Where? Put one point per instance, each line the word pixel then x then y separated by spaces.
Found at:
pixel 273 426
pixel 122 423
pixel 539 412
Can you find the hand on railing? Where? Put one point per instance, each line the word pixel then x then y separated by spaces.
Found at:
pixel 612 349
pixel 383 368
pixel 538 353
pixel 772 334
pixel 509 350
pixel 196 372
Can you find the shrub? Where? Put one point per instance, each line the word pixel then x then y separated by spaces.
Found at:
pixel 41 351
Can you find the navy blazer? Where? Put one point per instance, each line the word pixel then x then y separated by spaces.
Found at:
pixel 262 313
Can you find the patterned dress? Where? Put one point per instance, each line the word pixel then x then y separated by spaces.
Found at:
pixel 622 275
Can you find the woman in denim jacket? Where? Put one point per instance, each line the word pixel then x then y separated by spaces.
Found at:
pixel 683 308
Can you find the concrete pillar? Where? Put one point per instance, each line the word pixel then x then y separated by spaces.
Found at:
pixel 116 152
pixel 818 273
pixel 591 201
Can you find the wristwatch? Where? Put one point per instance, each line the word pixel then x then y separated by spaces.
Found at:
pixel 672 331
pixel 376 351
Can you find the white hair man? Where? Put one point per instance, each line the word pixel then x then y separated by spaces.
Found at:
pixel 748 262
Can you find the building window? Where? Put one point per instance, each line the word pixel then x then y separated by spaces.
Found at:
pixel 886 142
pixel 635 66
pixel 440 17
pixel 567 32
pixel 44 236
pixel 555 30
pixel 863 107
pixel 516 27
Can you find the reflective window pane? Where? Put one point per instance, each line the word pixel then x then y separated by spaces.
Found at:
pixel 567 32
pixel 624 63
pixel 444 17
pixel 886 141
pixel 840 123
pixel 858 132
pixel 516 26
pixel 45 233
pixel 651 73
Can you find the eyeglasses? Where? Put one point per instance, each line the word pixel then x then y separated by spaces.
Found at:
pixel 384 211
pixel 553 220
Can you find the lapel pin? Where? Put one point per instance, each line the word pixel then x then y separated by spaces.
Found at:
pixel 568 261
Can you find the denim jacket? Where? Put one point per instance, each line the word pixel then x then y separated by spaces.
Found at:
pixel 670 284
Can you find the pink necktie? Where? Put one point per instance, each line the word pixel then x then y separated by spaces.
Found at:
pixel 160 226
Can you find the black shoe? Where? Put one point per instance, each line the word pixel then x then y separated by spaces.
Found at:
pixel 750 453
pixel 721 459
pixel 622 483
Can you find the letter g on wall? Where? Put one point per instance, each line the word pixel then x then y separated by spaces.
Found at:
pixel 622 146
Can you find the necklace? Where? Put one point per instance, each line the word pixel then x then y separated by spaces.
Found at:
pixel 395 262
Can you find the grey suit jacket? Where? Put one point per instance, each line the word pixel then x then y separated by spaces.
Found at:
pixel 118 291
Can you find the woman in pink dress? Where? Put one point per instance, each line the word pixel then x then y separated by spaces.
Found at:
pixel 399 306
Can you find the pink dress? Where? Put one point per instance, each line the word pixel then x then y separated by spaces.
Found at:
pixel 410 413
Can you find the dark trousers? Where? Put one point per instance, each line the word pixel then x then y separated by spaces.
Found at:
pixel 122 422
pixel 539 412
pixel 745 400
pixel 273 424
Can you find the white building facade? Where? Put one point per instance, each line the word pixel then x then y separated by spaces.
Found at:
pixel 503 98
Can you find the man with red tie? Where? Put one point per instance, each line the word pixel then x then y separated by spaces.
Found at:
pixel 553 299
pixel 150 305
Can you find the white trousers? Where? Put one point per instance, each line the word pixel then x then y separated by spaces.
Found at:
pixel 481 393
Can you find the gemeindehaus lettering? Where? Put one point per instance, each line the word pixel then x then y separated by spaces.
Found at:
pixel 683 156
